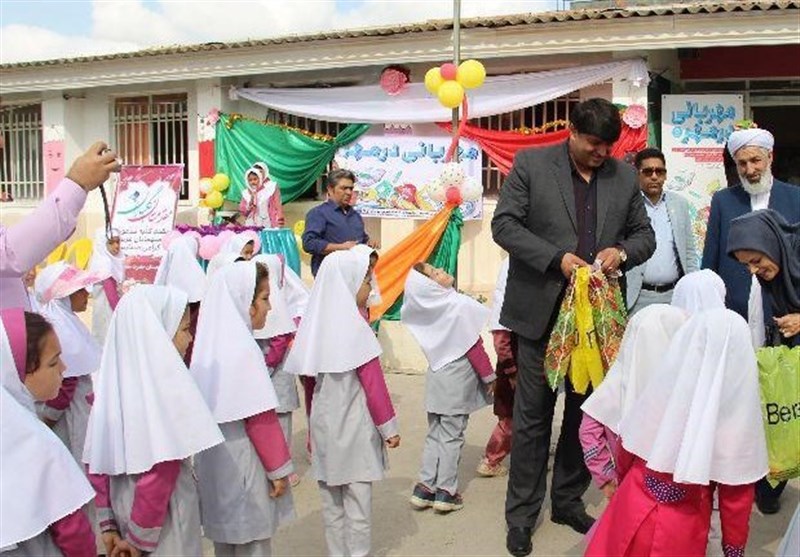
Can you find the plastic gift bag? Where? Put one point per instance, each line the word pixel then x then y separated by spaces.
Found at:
pixel 779 377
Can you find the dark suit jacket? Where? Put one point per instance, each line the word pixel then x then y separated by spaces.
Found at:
pixel 535 222
pixel 726 205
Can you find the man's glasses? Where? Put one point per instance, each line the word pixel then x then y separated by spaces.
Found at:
pixel 653 170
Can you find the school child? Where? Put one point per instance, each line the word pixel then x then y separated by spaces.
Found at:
pixel 244 496
pixel 695 430
pixel 242 245
pixel 274 340
pixel 62 295
pixel 460 379
pixel 499 444
pixel 108 262
pixel 147 421
pixel 699 291
pixel 261 199
pixel 352 418
pixel 43 489
pixel 646 339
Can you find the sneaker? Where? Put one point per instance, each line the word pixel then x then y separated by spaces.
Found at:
pixel 422 497
pixel 294 480
pixel 446 503
pixel 488 471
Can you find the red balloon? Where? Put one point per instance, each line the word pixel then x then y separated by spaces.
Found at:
pixel 453 196
pixel 449 70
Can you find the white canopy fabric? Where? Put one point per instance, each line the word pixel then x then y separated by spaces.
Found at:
pixel 369 104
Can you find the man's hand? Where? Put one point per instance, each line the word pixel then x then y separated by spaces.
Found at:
pixel 92 168
pixel 569 262
pixel 611 260
pixel 393 442
pixel 374 244
pixel 278 487
pixel 789 324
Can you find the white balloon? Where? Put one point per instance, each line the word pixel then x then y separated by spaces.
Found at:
pixel 205 185
pixel 452 175
pixel 471 190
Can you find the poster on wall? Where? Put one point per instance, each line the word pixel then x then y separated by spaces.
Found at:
pixel 395 174
pixel 144 210
pixel 694 129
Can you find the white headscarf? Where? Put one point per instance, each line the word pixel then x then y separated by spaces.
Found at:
pixel 334 337
pixel 102 262
pixel 227 363
pixel 269 185
pixel 40 481
pixel 499 296
pixel 12 361
pixel 179 268
pixel 445 323
pixel 699 291
pixel 296 292
pixel 754 137
pixel 700 420
pixel 646 340
pixel 236 244
pixel 80 351
pixel 218 262
pixel 375 293
pixel 147 409
pixel 279 319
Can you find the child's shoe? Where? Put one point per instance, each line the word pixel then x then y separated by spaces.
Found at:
pixel 446 503
pixel 422 497
pixel 488 471
pixel 294 480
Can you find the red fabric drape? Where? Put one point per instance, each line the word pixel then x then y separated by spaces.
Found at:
pixel 631 140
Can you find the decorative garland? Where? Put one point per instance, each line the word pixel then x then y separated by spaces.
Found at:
pixel 235 117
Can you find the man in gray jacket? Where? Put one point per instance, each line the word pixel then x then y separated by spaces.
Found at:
pixel 560 207
pixel 676 254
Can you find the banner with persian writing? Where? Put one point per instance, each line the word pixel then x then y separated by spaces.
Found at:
pixel 145 206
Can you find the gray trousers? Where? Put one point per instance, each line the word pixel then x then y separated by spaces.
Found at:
pixel 285 419
pixel 347 514
pixel 442 452
pixel 257 548
pixel 648 298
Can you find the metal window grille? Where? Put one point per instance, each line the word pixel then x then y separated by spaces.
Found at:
pixel 21 159
pixel 530 117
pixel 153 130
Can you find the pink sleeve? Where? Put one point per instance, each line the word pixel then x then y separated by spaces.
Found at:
pixel 503 347
pixel 151 502
pixel 735 504
pixel 243 206
pixel 28 242
pixel 596 451
pixel 266 435
pixel 276 208
pixel 102 502
pixel 65 395
pixel 111 292
pixel 278 346
pixel 479 359
pixel 74 536
pixel 379 402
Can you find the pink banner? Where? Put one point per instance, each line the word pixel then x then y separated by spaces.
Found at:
pixel 145 206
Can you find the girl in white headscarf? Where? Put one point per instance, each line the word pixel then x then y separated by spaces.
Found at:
pixel 61 294
pixel 460 380
pixel 108 262
pixel 699 291
pixel 243 482
pixel 147 421
pixel 696 429
pixel 43 489
pixel 261 199
pixel 352 419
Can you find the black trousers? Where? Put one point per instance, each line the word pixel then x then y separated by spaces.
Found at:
pixel 534 406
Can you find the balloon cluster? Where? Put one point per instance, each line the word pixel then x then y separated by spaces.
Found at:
pixel 211 190
pixel 449 81
pixel 209 245
pixel 454 187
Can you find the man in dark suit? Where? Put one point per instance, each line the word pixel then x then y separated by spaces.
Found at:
pixel 560 207
pixel 757 189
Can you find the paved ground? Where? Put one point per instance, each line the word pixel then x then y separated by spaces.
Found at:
pixel 479 528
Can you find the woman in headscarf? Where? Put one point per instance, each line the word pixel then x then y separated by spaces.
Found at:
pixel 261 199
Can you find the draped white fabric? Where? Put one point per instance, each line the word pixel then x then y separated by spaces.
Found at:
pixel 369 104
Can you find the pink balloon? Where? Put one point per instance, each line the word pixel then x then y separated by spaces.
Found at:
pixel 167 239
pixel 448 70
pixel 453 196
pixel 253 235
pixel 209 247
pixel 225 235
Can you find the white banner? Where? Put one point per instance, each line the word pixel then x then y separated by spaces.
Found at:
pixel 694 129
pixel 395 174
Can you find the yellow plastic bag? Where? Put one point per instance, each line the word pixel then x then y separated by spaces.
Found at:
pixel 586 365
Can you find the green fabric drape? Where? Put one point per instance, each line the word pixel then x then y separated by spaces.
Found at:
pixel 445 256
pixel 295 160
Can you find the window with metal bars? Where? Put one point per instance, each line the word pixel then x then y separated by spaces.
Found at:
pixel 153 129
pixel 21 160
pixel 525 118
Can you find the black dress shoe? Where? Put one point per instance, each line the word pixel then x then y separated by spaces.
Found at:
pixel 578 521
pixel 768 505
pixel 518 541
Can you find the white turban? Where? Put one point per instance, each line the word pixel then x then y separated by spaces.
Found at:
pixel 754 137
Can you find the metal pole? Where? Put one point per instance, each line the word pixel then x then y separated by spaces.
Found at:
pixel 456 59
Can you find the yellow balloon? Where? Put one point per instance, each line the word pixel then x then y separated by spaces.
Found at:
pixel 299 227
pixel 451 93
pixel 220 182
pixel 214 199
pixel 433 80
pixel 471 74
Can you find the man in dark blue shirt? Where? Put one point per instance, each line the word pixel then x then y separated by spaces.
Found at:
pixel 334 225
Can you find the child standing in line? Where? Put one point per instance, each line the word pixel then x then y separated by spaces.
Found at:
pixel 244 492
pixel 460 379
pixel 261 199
pixel 352 418
pixel 499 444
pixel 43 489
pixel 108 262
pixel 147 421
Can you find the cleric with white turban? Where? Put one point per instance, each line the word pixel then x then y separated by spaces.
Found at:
pixel 753 137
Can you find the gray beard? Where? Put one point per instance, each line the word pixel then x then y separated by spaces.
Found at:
pixel 762 186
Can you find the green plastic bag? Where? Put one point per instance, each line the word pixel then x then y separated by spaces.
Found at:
pixel 779 377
